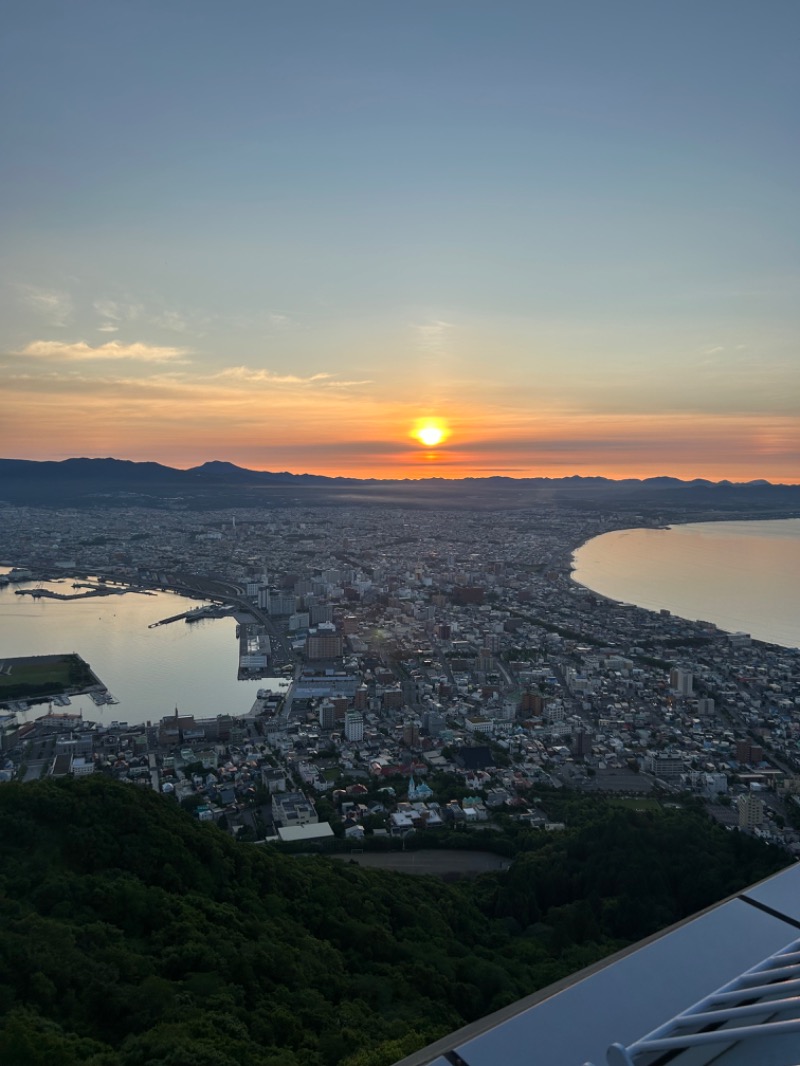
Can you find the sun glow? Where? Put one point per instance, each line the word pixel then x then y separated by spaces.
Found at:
pixel 430 433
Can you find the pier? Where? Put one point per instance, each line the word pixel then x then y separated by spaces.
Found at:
pixel 48 594
pixel 195 614
pixel 166 621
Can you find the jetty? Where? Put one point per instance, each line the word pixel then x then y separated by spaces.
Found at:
pixel 210 610
pixel 48 594
pixel 166 621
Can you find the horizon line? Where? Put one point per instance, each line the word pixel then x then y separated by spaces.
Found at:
pixel 752 482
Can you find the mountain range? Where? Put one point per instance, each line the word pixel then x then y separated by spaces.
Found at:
pixel 118 482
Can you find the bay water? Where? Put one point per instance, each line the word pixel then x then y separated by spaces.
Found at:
pixel 743 576
pixel 192 666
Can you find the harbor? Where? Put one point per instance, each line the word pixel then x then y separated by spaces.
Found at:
pixel 143 666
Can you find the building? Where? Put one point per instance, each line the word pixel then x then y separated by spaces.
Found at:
pixel 323 644
pixel 354 727
pixel 281 603
pixel 581 744
pixel 751 811
pixel 478 723
pixel 433 722
pixel 273 780
pixel 531 703
pixel 340 704
pixel 751 754
pixel 411 734
pixel 321 613
pixel 292 809
pixel 554 712
pixel 327 714
pixel 172 728
pixel 302 834
pixel 681 681
pixel 419 792
pixel 61 765
pixel 392 698
pixel 320 683
pixel 666 765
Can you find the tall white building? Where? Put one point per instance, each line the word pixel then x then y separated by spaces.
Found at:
pixel 354 726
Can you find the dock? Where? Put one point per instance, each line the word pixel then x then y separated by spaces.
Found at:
pixel 166 621
pixel 195 614
pixel 48 594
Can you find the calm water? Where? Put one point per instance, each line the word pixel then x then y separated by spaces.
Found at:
pixel 742 576
pixel 150 671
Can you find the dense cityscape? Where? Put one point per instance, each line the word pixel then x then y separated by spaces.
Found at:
pixel 443 665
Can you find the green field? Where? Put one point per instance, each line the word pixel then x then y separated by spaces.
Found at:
pixel 35 676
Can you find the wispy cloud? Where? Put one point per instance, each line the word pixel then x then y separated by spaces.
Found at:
pixel 80 351
pixel 252 376
pixel 172 320
pixel 116 314
pixel 431 337
pixel 249 375
pixel 118 311
pixel 54 305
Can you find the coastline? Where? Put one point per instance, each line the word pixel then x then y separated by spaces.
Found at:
pixel 672 597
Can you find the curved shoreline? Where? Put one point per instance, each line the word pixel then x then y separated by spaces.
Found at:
pixel 690 614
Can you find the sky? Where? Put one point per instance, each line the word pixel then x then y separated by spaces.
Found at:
pixel 289 235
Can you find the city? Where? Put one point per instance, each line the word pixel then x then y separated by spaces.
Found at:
pixel 425 648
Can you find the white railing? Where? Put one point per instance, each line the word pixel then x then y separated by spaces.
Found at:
pixel 750 1007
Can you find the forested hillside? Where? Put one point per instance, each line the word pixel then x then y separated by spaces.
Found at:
pixel 131 935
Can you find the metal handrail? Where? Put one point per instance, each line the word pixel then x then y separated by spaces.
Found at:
pixel 765 989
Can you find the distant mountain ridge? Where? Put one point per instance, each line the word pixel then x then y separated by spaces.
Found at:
pixel 117 482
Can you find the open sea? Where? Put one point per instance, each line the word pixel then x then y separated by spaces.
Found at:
pixel 150 671
pixel 742 576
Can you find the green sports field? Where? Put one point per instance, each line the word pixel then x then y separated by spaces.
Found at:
pixel 35 676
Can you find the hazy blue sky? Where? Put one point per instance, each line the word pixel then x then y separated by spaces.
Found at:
pixel 284 233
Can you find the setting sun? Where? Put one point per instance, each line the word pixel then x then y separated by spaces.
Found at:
pixel 430 433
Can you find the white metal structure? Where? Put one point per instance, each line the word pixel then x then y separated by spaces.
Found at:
pixel 747 947
pixel 759 1005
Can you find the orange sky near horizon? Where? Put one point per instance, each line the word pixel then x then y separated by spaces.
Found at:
pixel 320 425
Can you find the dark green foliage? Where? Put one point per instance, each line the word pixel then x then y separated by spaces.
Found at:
pixel 131 935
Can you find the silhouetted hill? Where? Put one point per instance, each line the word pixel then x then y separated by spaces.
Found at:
pixel 118 482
